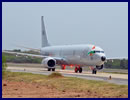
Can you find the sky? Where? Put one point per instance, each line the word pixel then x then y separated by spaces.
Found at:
pixel 104 24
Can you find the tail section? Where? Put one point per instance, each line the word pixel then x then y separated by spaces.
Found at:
pixel 44 37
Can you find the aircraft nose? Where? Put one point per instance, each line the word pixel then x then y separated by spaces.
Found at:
pixel 103 58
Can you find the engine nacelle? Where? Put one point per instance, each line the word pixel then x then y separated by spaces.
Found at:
pixel 99 67
pixel 49 62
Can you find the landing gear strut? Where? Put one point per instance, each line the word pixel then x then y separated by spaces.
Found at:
pixel 78 69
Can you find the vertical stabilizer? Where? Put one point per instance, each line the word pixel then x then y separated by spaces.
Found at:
pixel 44 37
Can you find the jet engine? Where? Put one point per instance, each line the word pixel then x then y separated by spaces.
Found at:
pixel 99 67
pixel 49 62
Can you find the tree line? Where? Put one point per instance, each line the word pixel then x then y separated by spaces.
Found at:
pixel 117 64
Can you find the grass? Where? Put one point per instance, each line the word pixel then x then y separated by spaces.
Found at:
pixel 61 83
pixel 55 75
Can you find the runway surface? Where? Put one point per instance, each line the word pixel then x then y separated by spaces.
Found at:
pixel 121 79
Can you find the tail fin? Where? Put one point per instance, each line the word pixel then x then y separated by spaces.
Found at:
pixel 44 37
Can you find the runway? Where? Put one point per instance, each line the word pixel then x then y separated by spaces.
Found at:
pixel 121 79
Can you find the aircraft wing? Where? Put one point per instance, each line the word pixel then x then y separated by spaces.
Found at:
pixel 36 50
pixel 120 58
pixel 24 54
pixel 58 59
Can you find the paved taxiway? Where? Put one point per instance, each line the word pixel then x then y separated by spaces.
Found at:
pixel 121 79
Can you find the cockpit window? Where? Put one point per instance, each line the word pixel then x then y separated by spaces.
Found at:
pixel 102 51
pixel 98 51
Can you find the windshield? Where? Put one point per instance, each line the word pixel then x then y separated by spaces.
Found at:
pixel 98 51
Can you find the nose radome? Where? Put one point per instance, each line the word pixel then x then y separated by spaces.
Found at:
pixel 103 58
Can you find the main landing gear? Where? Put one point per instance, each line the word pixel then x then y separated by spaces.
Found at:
pixel 49 69
pixel 78 69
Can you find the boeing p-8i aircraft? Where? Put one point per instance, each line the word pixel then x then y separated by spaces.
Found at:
pixel 69 55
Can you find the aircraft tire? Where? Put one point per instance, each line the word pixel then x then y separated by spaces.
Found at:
pixel 94 71
pixel 49 69
pixel 80 69
pixel 53 69
pixel 76 70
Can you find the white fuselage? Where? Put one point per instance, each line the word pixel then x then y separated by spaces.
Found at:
pixel 76 54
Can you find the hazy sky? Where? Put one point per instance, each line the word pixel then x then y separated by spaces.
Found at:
pixel 99 23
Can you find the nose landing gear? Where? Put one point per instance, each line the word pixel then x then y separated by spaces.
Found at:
pixel 94 70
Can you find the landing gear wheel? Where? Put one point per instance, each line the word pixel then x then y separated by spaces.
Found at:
pixel 49 69
pixel 53 69
pixel 94 71
pixel 76 69
pixel 80 69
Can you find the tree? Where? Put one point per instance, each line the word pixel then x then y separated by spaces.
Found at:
pixel 124 64
pixel 17 50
